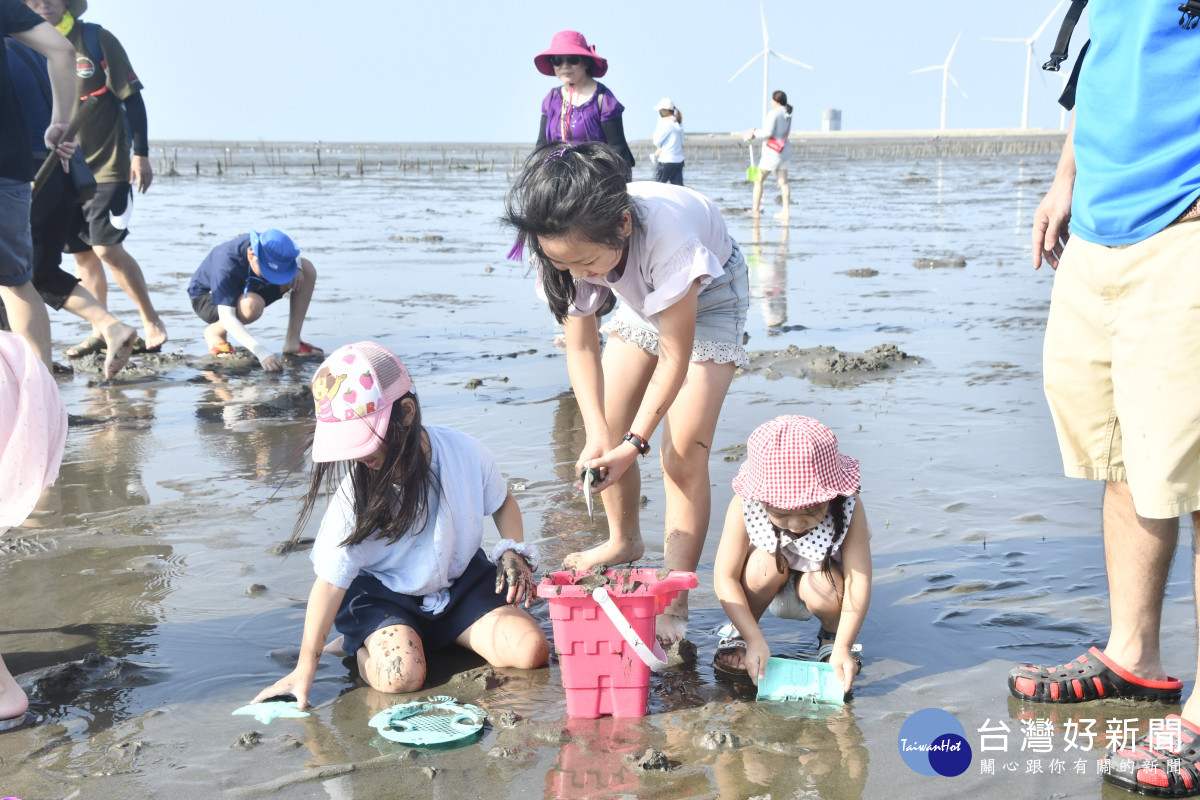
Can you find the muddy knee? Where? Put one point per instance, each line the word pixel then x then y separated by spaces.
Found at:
pixel 395 674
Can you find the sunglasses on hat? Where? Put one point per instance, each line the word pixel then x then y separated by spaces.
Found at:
pixel 559 60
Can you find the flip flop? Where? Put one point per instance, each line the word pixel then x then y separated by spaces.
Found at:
pixel 12 723
pixel 92 344
pixel 730 642
pixel 139 346
pixel 307 350
pixel 825 649
pixel 221 349
pixel 1092 676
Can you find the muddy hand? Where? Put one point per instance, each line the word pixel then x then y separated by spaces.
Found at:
pixel 512 569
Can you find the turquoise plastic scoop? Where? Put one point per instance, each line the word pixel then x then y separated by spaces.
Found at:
pixel 789 680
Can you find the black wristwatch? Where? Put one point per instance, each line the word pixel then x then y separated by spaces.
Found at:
pixel 643 447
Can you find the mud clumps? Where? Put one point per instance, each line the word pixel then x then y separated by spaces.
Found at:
pixel 290 546
pixel 553 736
pixel 957 262
pixel 474 683
pixel 507 719
pixel 827 363
pixel 682 652
pixel 248 741
pixel 717 740
pixel 64 682
pixel 652 760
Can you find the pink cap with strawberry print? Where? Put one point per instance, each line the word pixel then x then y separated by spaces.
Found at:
pixel 354 389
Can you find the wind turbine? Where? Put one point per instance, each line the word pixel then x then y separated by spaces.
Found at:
pixel 765 54
pixel 945 68
pixel 1029 59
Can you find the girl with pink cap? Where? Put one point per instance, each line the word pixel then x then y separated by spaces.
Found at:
pixel 398 559
pixel 795 540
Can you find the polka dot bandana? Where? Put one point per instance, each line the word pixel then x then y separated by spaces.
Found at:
pixel 805 553
pixel 793 462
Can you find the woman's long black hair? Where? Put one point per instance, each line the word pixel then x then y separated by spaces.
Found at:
pixel 570 190
pixel 781 97
pixel 376 512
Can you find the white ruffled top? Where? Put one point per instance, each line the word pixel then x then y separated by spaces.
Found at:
pixel 682 238
pixel 803 553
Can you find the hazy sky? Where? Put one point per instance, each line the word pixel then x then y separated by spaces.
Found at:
pixel 396 70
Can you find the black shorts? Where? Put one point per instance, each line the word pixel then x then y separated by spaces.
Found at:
pixel 369 606
pixel 50 220
pixel 93 225
pixel 206 311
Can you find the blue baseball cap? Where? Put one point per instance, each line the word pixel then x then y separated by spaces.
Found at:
pixel 278 257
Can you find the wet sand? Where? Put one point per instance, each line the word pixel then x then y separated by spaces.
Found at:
pixel 149 598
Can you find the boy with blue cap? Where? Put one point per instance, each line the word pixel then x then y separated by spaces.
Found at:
pixel 240 278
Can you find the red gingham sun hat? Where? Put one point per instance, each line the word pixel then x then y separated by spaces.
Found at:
pixel 354 390
pixel 570 43
pixel 793 462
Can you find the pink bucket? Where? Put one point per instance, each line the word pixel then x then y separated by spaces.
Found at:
pixel 603 638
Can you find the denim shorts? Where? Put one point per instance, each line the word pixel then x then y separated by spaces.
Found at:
pixel 720 318
pixel 16 240
pixel 369 606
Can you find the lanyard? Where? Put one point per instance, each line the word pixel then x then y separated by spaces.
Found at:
pixel 564 116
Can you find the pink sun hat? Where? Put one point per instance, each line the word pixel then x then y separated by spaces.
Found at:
pixel 794 462
pixel 33 430
pixel 354 390
pixel 568 43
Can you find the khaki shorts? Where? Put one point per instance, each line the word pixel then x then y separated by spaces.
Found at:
pixel 1121 365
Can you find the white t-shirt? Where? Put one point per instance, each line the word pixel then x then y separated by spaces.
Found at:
pixel 430 560
pixel 669 136
pixel 682 237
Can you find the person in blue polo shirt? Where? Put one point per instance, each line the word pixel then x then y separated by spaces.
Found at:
pixel 240 278
pixel 1120 224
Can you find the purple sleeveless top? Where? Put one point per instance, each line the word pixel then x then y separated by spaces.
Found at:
pixel 584 123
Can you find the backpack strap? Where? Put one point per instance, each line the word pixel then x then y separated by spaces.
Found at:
pixel 91 41
pixel 30 58
pixel 1189 16
pixel 1067 98
pixel 1059 53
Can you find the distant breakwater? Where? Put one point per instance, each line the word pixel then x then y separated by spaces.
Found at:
pixel 348 160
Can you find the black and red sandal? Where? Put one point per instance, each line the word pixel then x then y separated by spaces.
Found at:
pixel 1092 676
pixel 1160 764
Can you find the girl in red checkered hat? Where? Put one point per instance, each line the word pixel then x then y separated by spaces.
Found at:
pixel 795 541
